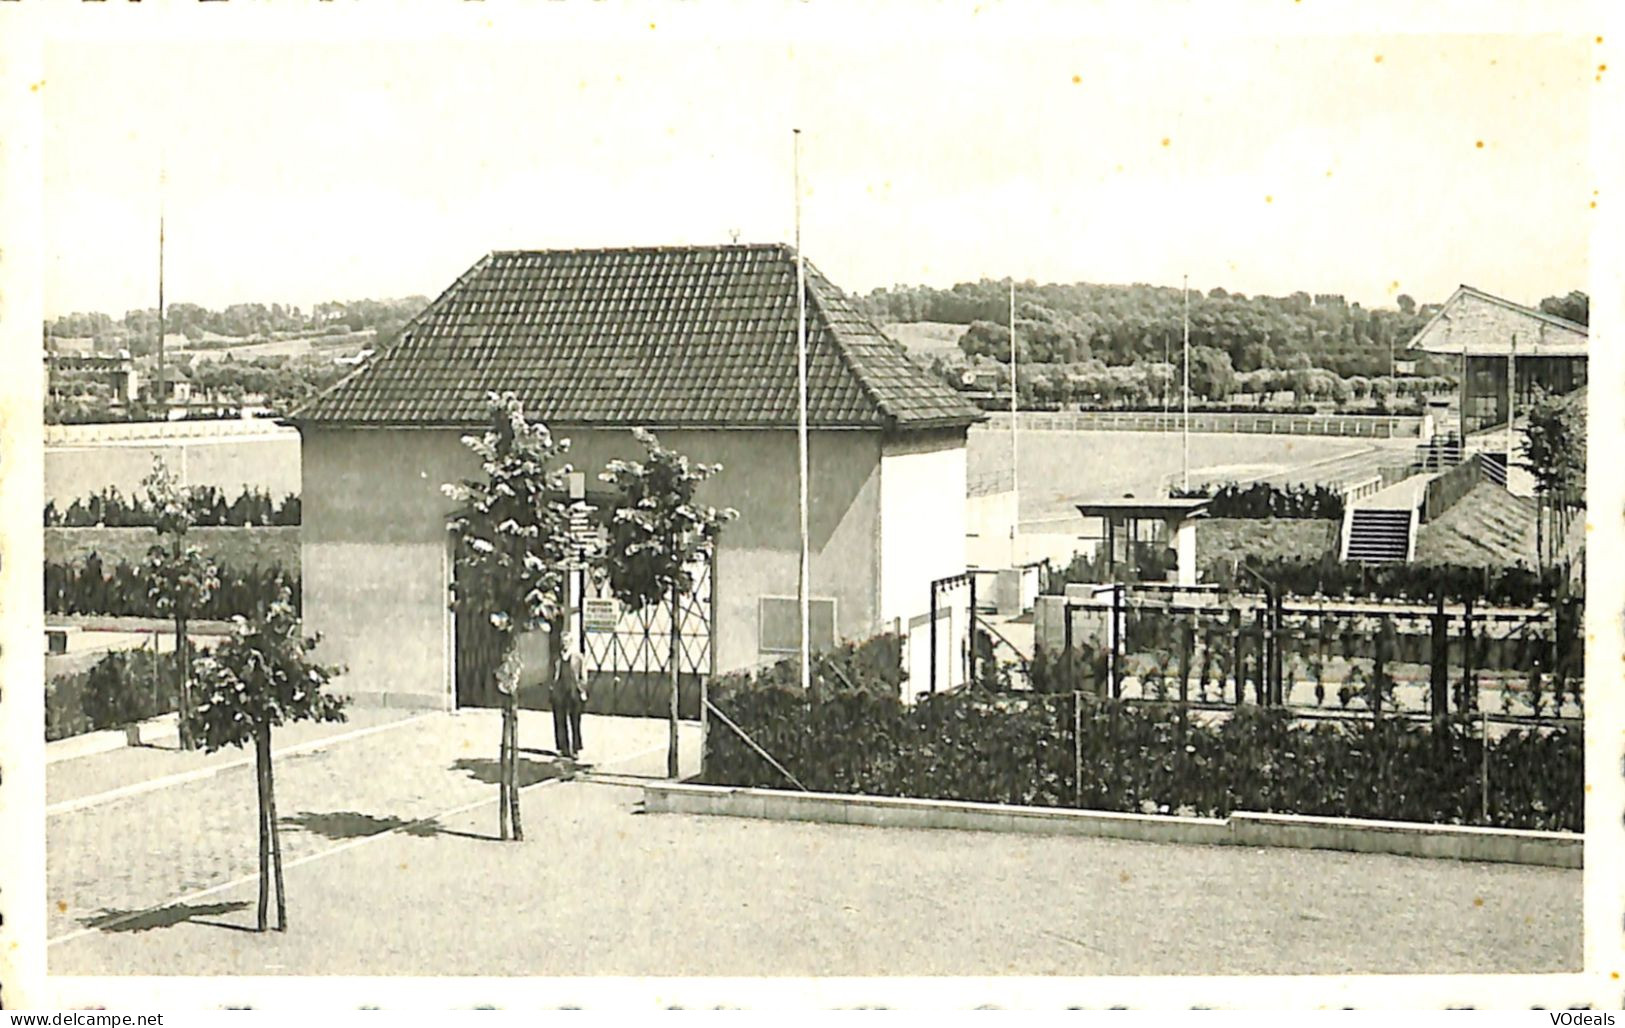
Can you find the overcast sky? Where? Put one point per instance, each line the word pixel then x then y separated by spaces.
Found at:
pixel 1363 165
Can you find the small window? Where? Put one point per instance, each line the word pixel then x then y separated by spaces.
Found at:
pixel 780 628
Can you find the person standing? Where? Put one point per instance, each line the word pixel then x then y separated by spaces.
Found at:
pixel 577 695
pixel 567 699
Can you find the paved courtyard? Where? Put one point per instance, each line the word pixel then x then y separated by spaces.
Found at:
pixel 393 869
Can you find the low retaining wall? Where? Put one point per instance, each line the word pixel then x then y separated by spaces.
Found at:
pixel 1496 845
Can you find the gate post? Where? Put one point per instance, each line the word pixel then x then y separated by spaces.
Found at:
pixel 933 637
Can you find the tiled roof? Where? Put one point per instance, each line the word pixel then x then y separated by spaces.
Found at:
pixel 664 337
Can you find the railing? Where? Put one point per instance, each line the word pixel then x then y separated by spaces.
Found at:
pixel 1360 490
pixel 1362 426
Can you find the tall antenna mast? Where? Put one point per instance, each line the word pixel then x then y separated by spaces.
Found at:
pixel 163 399
pixel 1015 450
pixel 802 596
pixel 1185 465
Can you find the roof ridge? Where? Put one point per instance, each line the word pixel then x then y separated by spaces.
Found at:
pixel 858 372
pixel 646 248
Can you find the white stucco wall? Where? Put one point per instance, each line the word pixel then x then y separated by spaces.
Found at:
pixel 375 548
pixel 922 519
pixel 988 520
pixel 922 538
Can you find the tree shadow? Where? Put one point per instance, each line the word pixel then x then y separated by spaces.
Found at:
pixel 483 769
pixel 166 917
pixel 350 824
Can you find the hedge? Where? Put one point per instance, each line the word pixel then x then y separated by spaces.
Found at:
pixel 123 590
pixel 1331 578
pixel 1416 583
pixel 1263 500
pixel 1019 748
pixel 111 509
pixel 120 688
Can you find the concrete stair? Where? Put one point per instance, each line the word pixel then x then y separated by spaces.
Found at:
pixel 1379 536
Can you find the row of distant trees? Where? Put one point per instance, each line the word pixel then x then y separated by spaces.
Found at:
pixel 1120 325
pixel 1148 385
pixel 137 330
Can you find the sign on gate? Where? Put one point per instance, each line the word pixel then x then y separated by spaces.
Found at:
pixel 600 615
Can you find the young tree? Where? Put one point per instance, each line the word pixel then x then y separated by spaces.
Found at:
pixel 1554 448
pixel 657 535
pixel 513 550
pixel 259 678
pixel 180 579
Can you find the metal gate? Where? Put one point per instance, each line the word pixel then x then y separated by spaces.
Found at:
pixel 939 641
pixel 627 654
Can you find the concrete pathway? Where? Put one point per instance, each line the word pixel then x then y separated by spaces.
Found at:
pixel 136 851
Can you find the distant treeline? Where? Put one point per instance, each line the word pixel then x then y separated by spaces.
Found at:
pixel 111 509
pixel 137 330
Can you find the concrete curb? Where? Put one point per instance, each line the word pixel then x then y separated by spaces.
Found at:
pixel 159 729
pixel 210 770
pixel 1400 838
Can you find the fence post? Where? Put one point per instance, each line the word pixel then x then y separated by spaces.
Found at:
pixel 1077 747
pixel 1283 689
pixel 1119 629
pixel 1484 765
pixel 1261 658
pixel 1066 627
pixel 1236 655
pixel 1379 655
pixel 1440 699
pixel 1187 648
pixel 1469 673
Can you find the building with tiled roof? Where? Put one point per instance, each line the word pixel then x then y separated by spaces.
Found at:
pixel 696 343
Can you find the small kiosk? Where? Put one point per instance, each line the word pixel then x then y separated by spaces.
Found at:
pixel 1153 536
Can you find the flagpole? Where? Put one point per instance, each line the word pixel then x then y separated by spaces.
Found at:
pixel 1185 465
pixel 163 401
pixel 805 575
pixel 1015 449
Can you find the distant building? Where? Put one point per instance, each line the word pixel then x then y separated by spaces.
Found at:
pixel 117 371
pixel 177 384
pixel 1499 341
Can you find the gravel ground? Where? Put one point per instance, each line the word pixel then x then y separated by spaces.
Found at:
pixel 599 888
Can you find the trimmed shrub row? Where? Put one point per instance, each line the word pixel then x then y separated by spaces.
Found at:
pixel 1019 749
pixel 125 591
pixel 1331 578
pixel 111 509
pixel 1263 500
